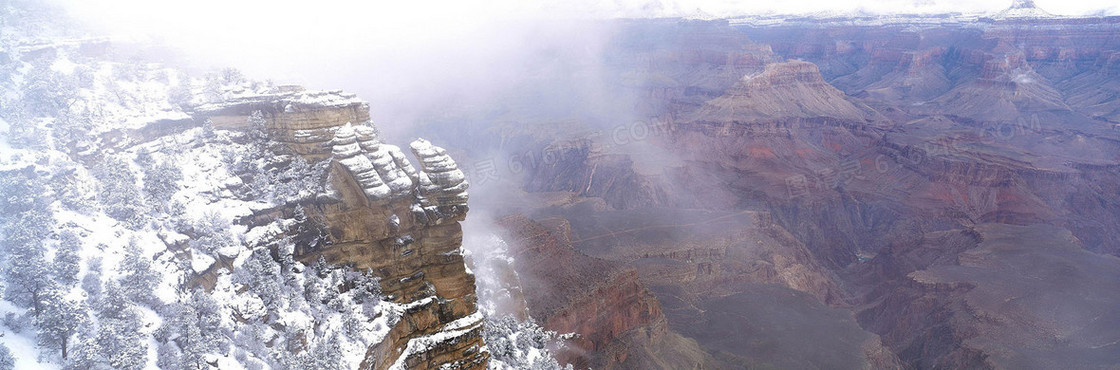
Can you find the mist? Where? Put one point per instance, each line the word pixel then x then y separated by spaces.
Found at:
pixel 412 59
pixel 446 70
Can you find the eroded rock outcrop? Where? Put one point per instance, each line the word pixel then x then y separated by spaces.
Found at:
pixel 383 220
pixel 303 120
pixel 617 321
pixel 380 213
pixel 442 184
pixel 793 89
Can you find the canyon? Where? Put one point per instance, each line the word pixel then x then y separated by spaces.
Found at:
pixel 907 192
pixel 798 194
pixel 802 192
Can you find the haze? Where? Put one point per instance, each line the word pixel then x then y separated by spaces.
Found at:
pixel 401 55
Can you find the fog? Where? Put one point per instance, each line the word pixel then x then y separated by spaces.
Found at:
pixel 408 58
pixel 440 69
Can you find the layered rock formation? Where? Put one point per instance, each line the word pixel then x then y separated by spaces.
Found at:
pixel 979 308
pixel 1006 87
pixel 618 323
pixel 382 214
pixel 383 220
pixel 303 120
pixel 871 235
pixel 785 90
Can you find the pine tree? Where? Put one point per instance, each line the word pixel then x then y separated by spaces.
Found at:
pixel 26 223
pixel 327 353
pixel 168 356
pixel 91 282
pixel 59 320
pixel 86 353
pixel 65 267
pixel 119 195
pixel 138 279
pixel 28 277
pixel 208 130
pixel 181 94
pixel 73 126
pixel 77 194
pixel 161 181
pixel 258 130
pixel 119 321
pixel 212 236
pixel 7 362
pixel 194 326
pixel 21 190
pixel 46 92
pixel 261 274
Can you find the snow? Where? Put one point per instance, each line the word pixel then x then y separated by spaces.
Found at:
pixel 291 101
pixel 424 148
pixel 1018 10
pixel 200 262
pixel 63 65
pixel 22 344
pixel 12 158
pixel 1023 78
pixel 263 234
pixel 171 237
pixel 449 331
pixel 130 98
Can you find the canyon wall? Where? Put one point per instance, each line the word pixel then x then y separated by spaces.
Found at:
pixel 859 186
pixel 379 213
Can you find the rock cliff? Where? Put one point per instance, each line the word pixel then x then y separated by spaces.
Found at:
pixel 785 90
pixel 380 213
pixel 303 120
pixel 617 321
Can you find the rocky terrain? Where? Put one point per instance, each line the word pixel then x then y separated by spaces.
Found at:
pixel 223 222
pixel 383 214
pixel 866 192
pixel 872 185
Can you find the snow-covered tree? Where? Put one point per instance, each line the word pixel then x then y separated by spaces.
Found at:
pixel 7 362
pixel 208 130
pixel 119 321
pixel 65 266
pixel 161 181
pixel 213 91
pixel 86 353
pixel 181 94
pixel 28 273
pixel 232 76
pixel 46 92
pixel 298 180
pixel 91 282
pixel 24 129
pixel 74 124
pixel 21 191
pixel 258 129
pixel 59 320
pixel 261 275
pixel 168 356
pixel 77 194
pixel 327 353
pixel 195 327
pixel 138 279
pixel 520 344
pixel 119 195
pixel 26 223
pixel 212 236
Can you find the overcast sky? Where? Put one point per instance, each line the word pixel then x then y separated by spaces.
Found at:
pixel 218 25
pixel 227 26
